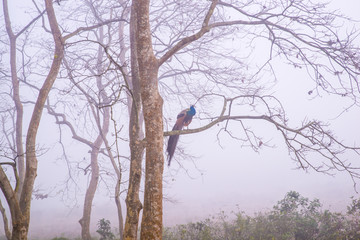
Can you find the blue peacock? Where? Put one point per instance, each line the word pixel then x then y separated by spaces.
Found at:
pixel 183 119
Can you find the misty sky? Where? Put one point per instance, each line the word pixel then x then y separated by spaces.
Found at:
pixel 225 176
pixel 237 178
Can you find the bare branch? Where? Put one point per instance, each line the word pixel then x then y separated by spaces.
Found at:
pixel 30 23
pixel 83 29
pixel 185 41
pixel 310 138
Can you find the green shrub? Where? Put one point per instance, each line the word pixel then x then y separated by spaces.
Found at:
pixel 104 229
pixel 292 218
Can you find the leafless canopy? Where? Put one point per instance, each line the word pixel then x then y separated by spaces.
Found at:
pixel 302 34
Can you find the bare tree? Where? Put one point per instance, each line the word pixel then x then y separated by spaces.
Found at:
pixel 198 52
pixel 304 33
pixel 19 204
pixel 96 77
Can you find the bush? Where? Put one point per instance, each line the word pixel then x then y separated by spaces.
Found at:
pixel 292 218
pixel 104 229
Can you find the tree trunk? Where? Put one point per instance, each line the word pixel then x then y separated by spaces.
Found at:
pixel 14 206
pixel 118 182
pixel 19 200
pixel 123 51
pixel 90 192
pixel 119 209
pixel 103 131
pixel 5 222
pixel 18 105
pixel 151 225
pixel 11 196
pixel 133 204
pixel 21 226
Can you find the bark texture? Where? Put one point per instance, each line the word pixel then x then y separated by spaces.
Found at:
pixel 151 225
pixel 5 222
pixel 133 203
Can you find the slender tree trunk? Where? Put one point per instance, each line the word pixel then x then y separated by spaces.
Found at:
pixel 103 131
pixel 133 203
pixel 117 170
pixel 118 175
pixel 119 208
pixel 151 225
pixel 90 192
pixel 21 223
pixel 11 196
pixel 18 105
pixel 118 182
pixel 123 50
pixel 5 222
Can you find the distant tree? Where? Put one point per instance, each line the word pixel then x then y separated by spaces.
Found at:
pixel 85 106
pixel 13 155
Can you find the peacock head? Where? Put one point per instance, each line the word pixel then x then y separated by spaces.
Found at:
pixel 192 111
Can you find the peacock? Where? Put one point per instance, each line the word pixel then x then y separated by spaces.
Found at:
pixel 183 119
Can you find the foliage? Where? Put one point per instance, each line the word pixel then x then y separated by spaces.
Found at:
pixel 104 229
pixel 292 218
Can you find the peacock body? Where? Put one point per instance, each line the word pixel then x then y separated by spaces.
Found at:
pixel 184 118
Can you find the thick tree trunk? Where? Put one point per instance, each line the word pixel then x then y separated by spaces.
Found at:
pixel 20 230
pixel 14 206
pixel 133 204
pixel 151 225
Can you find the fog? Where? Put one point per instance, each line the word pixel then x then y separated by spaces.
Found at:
pixel 223 176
